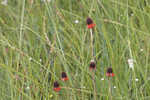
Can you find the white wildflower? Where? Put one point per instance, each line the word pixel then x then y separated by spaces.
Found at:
pixel 132 14
pixel 50 95
pixel 76 21
pixel 136 79
pixel 30 58
pixel 84 87
pixel 114 87
pixel 130 62
pixel 141 50
pixel 4 2
pixel 102 79
pixel 28 88
pixel 46 0
pixel 92 60
pixel 40 60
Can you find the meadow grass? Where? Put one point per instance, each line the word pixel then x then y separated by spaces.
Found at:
pixel 39 40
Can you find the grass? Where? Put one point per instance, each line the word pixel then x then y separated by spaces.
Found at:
pixel 39 40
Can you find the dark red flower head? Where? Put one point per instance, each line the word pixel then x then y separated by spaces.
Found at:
pixel 56 86
pixel 92 65
pixel 109 72
pixel 64 76
pixel 90 23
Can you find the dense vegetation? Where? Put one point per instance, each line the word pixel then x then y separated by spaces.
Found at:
pixel 39 40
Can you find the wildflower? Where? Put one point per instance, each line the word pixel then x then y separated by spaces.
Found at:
pixel 114 87
pixel 92 65
pixel 28 88
pixel 46 0
pixel 56 86
pixel 132 14
pixel 90 23
pixel 40 60
pixel 136 79
pixel 64 76
pixel 76 21
pixel 30 58
pixel 130 62
pixel 141 50
pixel 109 72
pixel 102 79
pixel 84 87
pixel 50 95
pixel 4 2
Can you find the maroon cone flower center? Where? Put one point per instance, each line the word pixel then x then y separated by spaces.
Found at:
pixel 89 21
pixel 56 84
pixel 92 65
pixel 109 72
pixel 64 76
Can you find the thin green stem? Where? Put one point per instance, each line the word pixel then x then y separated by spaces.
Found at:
pixel 92 54
pixel 109 82
pixel 92 45
pixel 93 76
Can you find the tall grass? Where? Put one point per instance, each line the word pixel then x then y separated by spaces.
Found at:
pixel 39 40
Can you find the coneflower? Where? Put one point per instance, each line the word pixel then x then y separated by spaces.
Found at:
pixel 56 86
pixel 64 76
pixel 92 68
pixel 90 23
pixel 109 72
pixel 92 65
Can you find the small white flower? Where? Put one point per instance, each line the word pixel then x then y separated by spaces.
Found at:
pixel 141 50
pixel 40 60
pixel 76 21
pixel 102 79
pixel 130 62
pixel 132 14
pixel 46 0
pixel 4 2
pixel 28 88
pixel 136 79
pixel 92 60
pixel 30 58
pixel 114 87
pixel 84 87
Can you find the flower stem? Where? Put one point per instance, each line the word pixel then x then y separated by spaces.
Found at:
pixel 94 86
pixel 93 72
pixel 109 82
pixel 130 84
pixel 92 44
